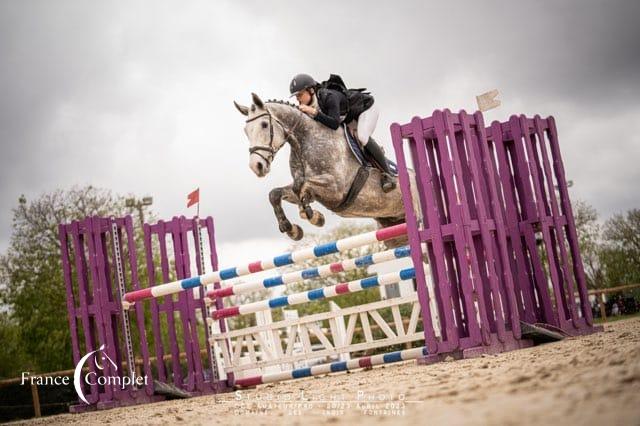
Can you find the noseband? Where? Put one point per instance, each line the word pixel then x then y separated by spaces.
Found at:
pixel 269 149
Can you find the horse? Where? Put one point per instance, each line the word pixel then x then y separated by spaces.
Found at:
pixel 323 168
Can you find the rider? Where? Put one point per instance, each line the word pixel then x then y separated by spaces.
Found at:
pixel 331 107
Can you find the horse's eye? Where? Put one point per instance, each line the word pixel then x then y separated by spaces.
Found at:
pixel 264 125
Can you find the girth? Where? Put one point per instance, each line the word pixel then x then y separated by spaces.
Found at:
pixel 356 186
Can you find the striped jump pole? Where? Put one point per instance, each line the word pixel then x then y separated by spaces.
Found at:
pixel 310 273
pixel 334 367
pixel 264 265
pixel 319 293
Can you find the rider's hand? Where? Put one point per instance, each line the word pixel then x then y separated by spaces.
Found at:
pixel 311 111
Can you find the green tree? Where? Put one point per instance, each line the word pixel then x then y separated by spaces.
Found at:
pixel 621 253
pixel 31 273
pixel 590 240
pixel 12 354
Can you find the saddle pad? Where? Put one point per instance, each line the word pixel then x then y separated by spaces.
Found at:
pixel 361 155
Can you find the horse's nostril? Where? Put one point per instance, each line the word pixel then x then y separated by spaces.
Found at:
pixel 260 166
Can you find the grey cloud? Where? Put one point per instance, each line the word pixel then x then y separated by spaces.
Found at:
pixel 136 97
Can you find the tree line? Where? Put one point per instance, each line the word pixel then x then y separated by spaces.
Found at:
pixel 34 328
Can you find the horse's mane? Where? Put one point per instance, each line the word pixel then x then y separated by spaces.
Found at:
pixel 289 104
pixel 281 102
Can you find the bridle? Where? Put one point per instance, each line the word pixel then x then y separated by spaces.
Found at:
pixel 270 149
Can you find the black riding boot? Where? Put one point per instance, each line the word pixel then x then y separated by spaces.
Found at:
pixel 387 181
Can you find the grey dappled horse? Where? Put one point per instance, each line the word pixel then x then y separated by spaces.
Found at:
pixel 322 166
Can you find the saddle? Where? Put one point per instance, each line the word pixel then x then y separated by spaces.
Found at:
pixel 363 157
pixel 367 162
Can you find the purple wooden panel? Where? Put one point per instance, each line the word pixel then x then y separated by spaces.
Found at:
pixel 484 246
pixel 487 201
pixel 85 299
pixel 571 234
pixel 138 313
pixel 200 308
pixel 217 383
pixel 520 267
pixel 102 282
pixel 93 302
pixel 98 303
pixel 456 200
pixel 181 306
pixel 154 306
pixel 414 240
pixel 503 261
pixel 71 299
pixel 167 306
pixel 189 373
pixel 542 222
pixel 529 218
pixel 188 305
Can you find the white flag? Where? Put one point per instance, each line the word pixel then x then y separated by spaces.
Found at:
pixel 488 100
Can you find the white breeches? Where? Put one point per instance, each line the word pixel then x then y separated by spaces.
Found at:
pixel 365 125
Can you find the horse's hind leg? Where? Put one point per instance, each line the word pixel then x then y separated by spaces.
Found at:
pixel 275 197
pixel 313 216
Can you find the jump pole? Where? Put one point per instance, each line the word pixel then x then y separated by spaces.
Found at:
pixel 310 273
pixel 335 367
pixel 316 294
pixel 264 265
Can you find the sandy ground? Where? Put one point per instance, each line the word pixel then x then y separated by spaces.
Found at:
pixel 588 380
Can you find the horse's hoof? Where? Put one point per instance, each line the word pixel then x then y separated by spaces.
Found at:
pixel 285 227
pixel 303 214
pixel 296 233
pixel 317 219
pixel 309 212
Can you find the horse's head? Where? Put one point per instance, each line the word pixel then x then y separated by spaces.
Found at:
pixel 266 135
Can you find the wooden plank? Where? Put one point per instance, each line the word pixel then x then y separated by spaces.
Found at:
pixel 351 325
pixel 293 333
pixel 336 351
pixel 266 350
pixel 397 320
pixel 413 321
pixel 611 289
pixel 36 400
pixel 304 338
pixel 319 317
pixel 320 335
pixel 383 324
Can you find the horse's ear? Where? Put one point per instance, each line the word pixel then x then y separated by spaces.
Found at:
pixel 257 101
pixel 243 109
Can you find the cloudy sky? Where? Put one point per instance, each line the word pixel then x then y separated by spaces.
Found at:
pixel 137 96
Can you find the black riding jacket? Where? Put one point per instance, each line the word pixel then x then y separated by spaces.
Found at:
pixel 334 104
pixel 331 106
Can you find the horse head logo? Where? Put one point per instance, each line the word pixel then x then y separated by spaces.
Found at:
pixel 99 360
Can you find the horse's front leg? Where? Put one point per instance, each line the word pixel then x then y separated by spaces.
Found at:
pixel 275 197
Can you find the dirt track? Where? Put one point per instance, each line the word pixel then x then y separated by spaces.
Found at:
pixel 588 380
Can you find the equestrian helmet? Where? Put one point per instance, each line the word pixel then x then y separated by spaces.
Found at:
pixel 301 82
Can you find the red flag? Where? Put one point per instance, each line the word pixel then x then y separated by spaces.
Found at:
pixel 193 198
